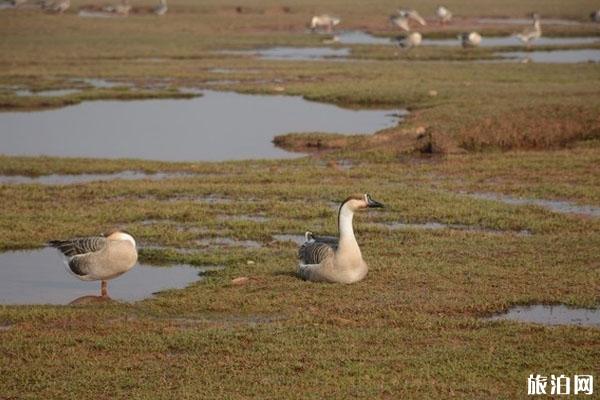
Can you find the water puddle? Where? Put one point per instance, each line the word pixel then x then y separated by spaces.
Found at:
pixel 217 126
pixel 47 93
pixel 99 14
pixel 525 21
pixel 41 277
pixel 56 179
pixel 207 199
pixel 244 217
pixel 297 53
pixel 103 83
pixel 499 41
pixel 556 56
pixel 558 206
pixel 551 315
pixel 359 37
pixel 228 242
pixel 440 226
pixel 286 237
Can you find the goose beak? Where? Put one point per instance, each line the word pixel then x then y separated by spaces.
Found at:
pixel 373 204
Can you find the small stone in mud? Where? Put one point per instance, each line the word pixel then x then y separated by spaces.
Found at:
pixel 250 262
pixel 278 89
pixel 433 93
pixel 242 280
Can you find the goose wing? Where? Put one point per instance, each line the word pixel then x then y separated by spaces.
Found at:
pixel 79 246
pixel 314 252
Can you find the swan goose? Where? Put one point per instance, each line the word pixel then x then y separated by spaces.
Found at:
pixel 99 258
pixel 470 39
pixel 161 8
pixel 403 16
pixel 332 259
pixel 443 14
pixel 324 21
pixel 530 34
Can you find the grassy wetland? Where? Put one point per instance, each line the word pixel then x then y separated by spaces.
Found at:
pixel 415 327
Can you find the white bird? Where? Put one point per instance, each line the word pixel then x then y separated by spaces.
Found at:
pixel 403 16
pixel 530 34
pixel 470 39
pixel 413 39
pixel 443 14
pixel 161 8
pixel 595 16
pixel 99 258
pixel 324 21
pixel 56 6
pixel 333 259
pixel 121 8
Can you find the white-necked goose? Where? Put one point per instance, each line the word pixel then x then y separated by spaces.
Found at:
pixel 332 259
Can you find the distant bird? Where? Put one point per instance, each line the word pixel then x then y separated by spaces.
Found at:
pixel 161 8
pixel 413 39
pixel 403 16
pixel 324 21
pixel 336 259
pixel 443 14
pixel 56 6
pixel 99 258
pixel 121 8
pixel 595 16
pixel 470 39
pixel 532 33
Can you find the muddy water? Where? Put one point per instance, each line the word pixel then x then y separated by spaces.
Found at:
pixel 358 37
pixel 297 53
pixel 552 315
pixel 67 179
pixel 42 277
pixel 556 56
pixel 558 206
pixel 217 126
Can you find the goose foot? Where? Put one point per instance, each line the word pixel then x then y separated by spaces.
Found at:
pixel 103 289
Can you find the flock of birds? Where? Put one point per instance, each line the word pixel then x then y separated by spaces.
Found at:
pixel 322 258
pixel 60 6
pixel 403 17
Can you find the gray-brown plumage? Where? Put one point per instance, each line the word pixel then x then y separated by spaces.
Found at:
pixel 99 257
pixel 332 259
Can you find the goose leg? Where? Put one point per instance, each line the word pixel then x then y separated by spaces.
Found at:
pixel 104 289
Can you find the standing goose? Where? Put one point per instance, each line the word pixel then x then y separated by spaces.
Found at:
pixel 323 21
pixel 161 8
pixel 470 39
pixel 403 16
pixel 530 34
pixel 595 16
pixel 443 14
pixel 332 259
pixel 99 258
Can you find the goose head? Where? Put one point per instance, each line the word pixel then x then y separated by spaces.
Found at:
pixel 361 202
pixel 116 234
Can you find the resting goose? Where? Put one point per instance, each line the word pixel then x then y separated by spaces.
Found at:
pixel 121 8
pixel 470 39
pixel 161 8
pixel 403 16
pixel 530 34
pixel 323 21
pixel 56 6
pixel 413 39
pixel 99 258
pixel 332 259
pixel 443 14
